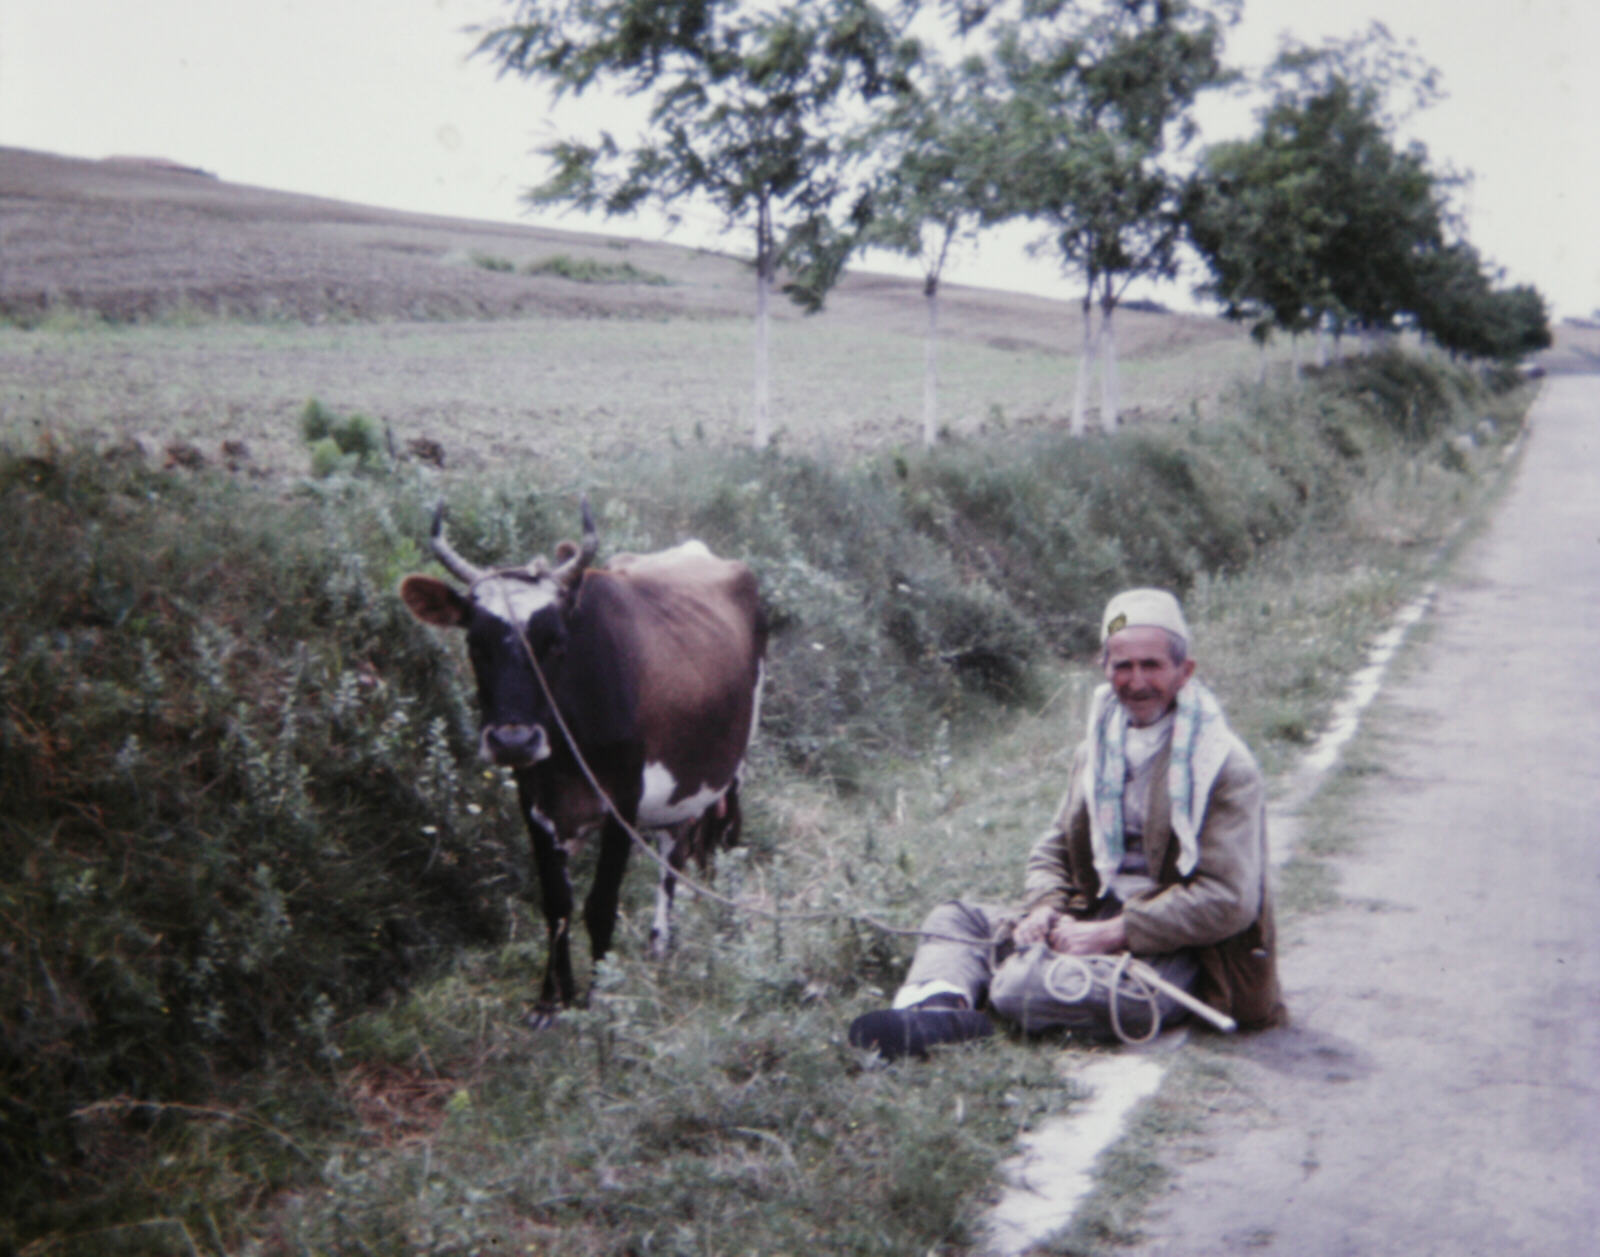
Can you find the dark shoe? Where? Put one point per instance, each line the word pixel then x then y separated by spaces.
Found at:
pixel 897 1032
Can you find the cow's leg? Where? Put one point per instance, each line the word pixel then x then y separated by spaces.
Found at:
pixel 600 909
pixel 555 902
pixel 729 826
pixel 674 846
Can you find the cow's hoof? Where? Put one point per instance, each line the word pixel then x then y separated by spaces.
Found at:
pixel 542 1016
pixel 660 945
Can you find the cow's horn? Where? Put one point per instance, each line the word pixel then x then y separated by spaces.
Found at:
pixel 570 571
pixel 445 553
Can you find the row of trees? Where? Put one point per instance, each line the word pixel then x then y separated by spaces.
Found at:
pixel 831 126
pixel 1319 222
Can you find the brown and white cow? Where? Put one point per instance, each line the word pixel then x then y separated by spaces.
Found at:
pixel 655 663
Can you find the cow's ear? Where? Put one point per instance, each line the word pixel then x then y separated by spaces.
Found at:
pixel 434 602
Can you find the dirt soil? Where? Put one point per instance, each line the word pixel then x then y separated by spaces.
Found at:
pixel 1435 1094
pixel 135 238
pixel 232 305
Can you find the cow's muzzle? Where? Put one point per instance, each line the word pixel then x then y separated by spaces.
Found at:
pixel 515 746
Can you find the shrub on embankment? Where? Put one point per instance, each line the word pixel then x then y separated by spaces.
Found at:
pixel 237 787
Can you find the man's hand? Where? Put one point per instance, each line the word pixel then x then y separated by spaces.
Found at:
pixel 1035 927
pixel 1087 938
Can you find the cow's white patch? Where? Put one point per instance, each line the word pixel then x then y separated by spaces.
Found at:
pixel 661 924
pixel 694 548
pixel 755 700
pixel 658 809
pixel 512 600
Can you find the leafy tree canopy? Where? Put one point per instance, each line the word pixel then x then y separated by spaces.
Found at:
pixel 751 106
pixel 1320 217
pixel 748 108
pixel 937 172
pixel 1100 100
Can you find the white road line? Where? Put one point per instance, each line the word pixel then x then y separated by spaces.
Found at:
pixel 1050 1173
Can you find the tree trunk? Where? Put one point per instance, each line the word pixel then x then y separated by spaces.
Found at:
pixel 1085 366
pixel 930 365
pixel 763 386
pixel 1110 384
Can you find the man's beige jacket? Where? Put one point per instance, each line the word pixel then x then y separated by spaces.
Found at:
pixel 1222 910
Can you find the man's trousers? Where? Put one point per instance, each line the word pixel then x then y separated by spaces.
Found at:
pixel 1034 987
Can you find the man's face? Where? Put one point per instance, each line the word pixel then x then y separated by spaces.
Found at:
pixel 1142 675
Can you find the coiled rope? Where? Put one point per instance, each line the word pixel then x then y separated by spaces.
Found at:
pixel 1124 969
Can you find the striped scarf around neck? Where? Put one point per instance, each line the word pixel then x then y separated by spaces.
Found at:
pixel 1201 740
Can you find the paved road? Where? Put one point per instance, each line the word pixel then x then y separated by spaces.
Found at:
pixel 1439 1091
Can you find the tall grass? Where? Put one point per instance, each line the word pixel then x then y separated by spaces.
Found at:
pixel 264 916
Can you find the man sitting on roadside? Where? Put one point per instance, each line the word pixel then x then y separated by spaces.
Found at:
pixel 1159 850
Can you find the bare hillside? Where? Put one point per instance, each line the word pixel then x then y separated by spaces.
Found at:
pixel 132 238
pixel 168 306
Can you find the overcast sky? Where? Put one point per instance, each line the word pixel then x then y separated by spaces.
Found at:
pixel 377 101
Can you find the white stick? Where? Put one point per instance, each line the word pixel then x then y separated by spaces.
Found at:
pixel 1199 1008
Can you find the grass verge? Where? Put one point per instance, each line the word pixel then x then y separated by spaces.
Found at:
pixel 267 952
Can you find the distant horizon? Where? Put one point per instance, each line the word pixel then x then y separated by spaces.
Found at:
pixel 178 166
pixel 171 165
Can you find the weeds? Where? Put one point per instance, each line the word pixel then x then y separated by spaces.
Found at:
pixel 663 1127
pixel 215 837
pixel 582 270
pixel 252 866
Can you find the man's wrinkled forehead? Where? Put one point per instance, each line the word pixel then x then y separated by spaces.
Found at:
pixel 1142 643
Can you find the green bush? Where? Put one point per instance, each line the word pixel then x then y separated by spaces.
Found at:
pixel 235 786
pixel 327 458
pixel 1417 397
pixel 584 270
pixel 341 443
pixel 316 422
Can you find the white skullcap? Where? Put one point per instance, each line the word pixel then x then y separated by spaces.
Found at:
pixel 1144 608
